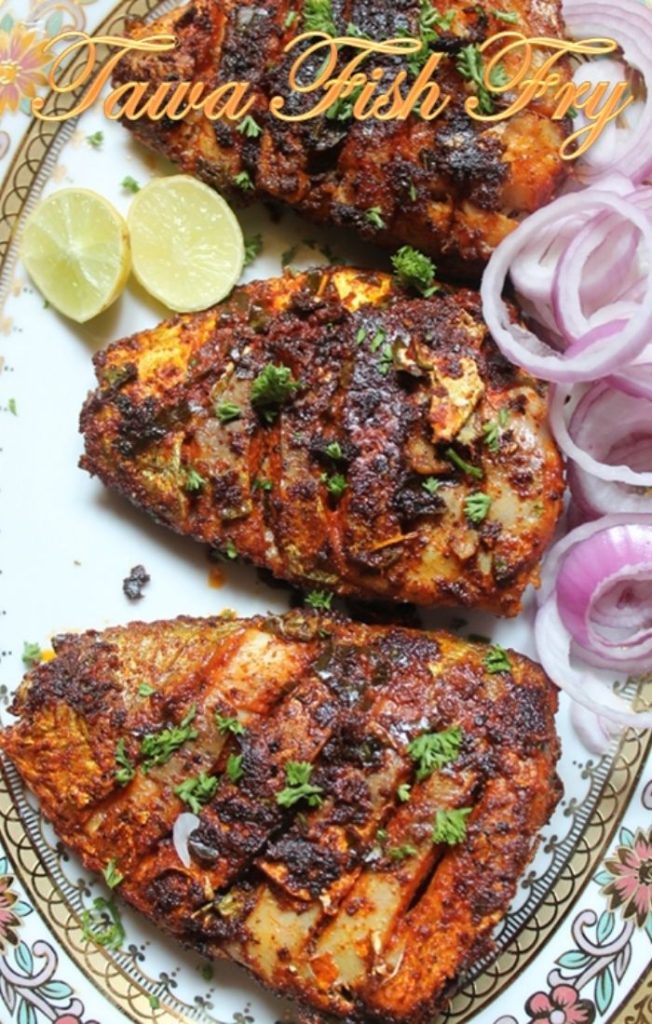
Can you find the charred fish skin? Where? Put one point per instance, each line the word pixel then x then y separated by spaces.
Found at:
pixel 372 794
pixel 341 433
pixel 453 186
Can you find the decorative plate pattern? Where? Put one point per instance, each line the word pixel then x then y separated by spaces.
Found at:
pixel 576 945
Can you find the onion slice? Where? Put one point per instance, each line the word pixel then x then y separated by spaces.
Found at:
pixel 605 348
pixel 184 826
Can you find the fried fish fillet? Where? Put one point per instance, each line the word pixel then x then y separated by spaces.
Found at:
pixel 453 187
pixel 366 796
pixel 346 436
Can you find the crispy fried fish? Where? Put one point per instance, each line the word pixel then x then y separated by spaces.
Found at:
pixel 366 796
pixel 453 186
pixel 341 433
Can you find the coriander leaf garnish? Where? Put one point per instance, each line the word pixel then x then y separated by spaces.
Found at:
pixel 470 65
pixel 130 184
pixel 227 724
pixel 197 791
pixel 12 407
pixel 243 181
pixel 290 18
pixel 262 484
pixel 234 769
pixel 112 876
pixel 273 386
pixel 374 216
pixel 126 770
pixel 497 660
pixel 414 269
pixel 450 826
pixel 158 747
pixel 32 654
pixel 377 340
pixel 432 750
pixel 360 335
pixel 319 599
pixel 253 245
pixel 462 464
pixel 335 484
pixel 334 451
pixel 403 792
pixel 318 17
pixel 511 17
pixel 95 140
pixel 492 430
pixel 194 481
pixel 145 690
pixel 249 127
pixel 431 485
pixel 227 412
pixel 298 786
pixel 476 506
pixel 102 924
pixel 401 852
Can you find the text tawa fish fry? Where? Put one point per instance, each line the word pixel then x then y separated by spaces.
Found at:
pixel 453 187
pixel 346 436
pixel 366 798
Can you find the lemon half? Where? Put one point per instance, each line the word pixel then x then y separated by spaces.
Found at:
pixel 75 247
pixel 187 246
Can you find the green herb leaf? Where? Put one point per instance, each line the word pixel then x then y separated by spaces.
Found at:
pixel 299 787
pixel 462 464
pixel 145 690
pixel 158 747
pixel 130 184
pixel 262 484
pixel 401 852
pixel 511 17
pixel 360 335
pixel 476 506
pixel 249 127
pixel 234 769
pixel 470 65
pixel 377 340
pixel 102 924
pixel 497 660
pixel 319 599
pixel 374 217
pixel 243 181
pixel 253 245
pixel 95 140
pixel 335 484
pixel 126 770
pixel 227 412
pixel 415 270
pixel 492 430
pixel 197 791
pixel 194 481
pixel 403 792
pixel 13 408
pixel 318 17
pixel 112 876
pixel 432 750
pixel 431 484
pixel 273 386
pixel 290 19
pixel 32 654
pixel 226 724
pixel 450 826
pixel 334 451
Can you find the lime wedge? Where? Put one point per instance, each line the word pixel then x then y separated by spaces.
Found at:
pixel 186 243
pixel 76 250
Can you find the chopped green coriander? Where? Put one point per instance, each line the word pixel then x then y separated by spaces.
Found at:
pixel 415 270
pixel 130 184
pixel 401 852
pixel 253 245
pixel 243 181
pixel 334 451
pixel 450 826
pixel 511 17
pixel 13 408
pixel 227 412
pixel 381 835
pixel 386 359
pixel 249 127
pixel 471 66
pixel 262 484
pixel 298 786
pixel 290 19
pixel 572 112
pixel 318 17
pixel 273 386
pixel 462 464
pixel 95 140
pixel 126 770
pixel 227 724
pixel 230 550
pixel 476 506
pixel 145 690
pixel 32 654
pixel 197 791
pixel 377 340
pixel 335 483
pixel 492 430
pixel 194 481
pixel 112 876
pixel 234 769
pixel 319 599
pixel 374 217
pixel 158 747
pixel 342 108
pixel 154 1002
pixel 403 792
pixel 431 485
pixel 430 17
pixel 497 660
pixel 102 924
pixel 360 335
pixel 432 750
pixel 412 191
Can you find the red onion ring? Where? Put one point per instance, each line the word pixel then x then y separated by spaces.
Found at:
pixel 605 348
pixel 594 732
pixel 184 825
pixel 629 23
